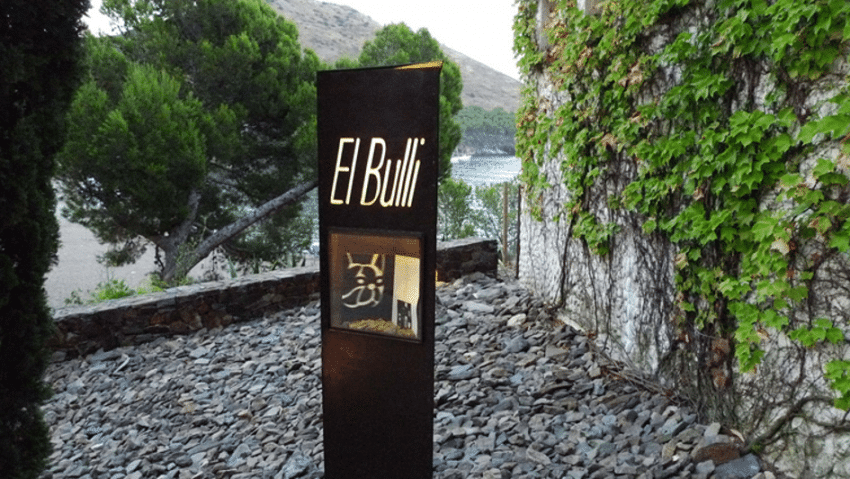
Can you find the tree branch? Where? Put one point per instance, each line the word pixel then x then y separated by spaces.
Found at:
pixel 769 436
pixel 216 239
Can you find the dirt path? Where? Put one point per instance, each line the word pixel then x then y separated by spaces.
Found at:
pixel 78 268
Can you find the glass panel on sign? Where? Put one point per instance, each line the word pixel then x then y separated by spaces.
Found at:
pixel 375 283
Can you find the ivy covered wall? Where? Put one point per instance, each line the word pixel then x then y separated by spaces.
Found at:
pixel 687 177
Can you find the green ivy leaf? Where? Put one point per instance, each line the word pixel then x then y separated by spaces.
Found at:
pixel 791 180
pixel 834 336
pixel 808 132
pixel 838 125
pixel 774 320
pixel 748 356
pixel 764 227
pixel 823 167
pixel 841 241
pixel 803 335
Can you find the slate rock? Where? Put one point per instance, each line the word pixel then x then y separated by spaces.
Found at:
pixel 199 352
pixel 515 345
pixel 538 457
pixel 476 307
pixel 182 461
pixel 459 373
pixel 741 468
pixel 514 400
pixel 296 466
pixel 489 294
pixel 706 467
pixel 672 427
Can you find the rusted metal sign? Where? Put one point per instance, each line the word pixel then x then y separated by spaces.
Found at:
pixel 378 160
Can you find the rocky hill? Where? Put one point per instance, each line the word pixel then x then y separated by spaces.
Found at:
pixel 336 31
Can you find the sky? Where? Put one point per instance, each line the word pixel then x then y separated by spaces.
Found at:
pixel 480 29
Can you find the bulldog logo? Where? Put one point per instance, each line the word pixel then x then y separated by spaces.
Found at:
pixel 368 289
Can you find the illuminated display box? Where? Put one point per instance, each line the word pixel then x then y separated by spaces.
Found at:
pixel 375 283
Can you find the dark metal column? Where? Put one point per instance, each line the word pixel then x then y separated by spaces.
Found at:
pixel 378 161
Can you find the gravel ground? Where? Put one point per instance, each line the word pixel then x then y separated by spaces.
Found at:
pixel 518 395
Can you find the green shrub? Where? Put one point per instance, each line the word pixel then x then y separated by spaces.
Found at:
pixel 40 46
pixel 113 289
pixel 454 200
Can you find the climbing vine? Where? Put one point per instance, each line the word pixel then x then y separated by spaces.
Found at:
pixel 734 163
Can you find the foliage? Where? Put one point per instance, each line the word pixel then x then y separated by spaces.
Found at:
pixel 487 129
pixel 454 210
pixel 482 129
pixel 707 153
pixel 464 211
pixel 490 217
pixel 40 50
pixel 111 289
pixel 396 44
pixel 477 118
pixel 288 243
pixel 196 115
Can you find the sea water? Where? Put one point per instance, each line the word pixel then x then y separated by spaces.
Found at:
pixel 485 170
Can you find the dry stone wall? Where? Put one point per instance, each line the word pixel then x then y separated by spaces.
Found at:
pixel 85 329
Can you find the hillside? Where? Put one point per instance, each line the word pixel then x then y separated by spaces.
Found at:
pixel 336 31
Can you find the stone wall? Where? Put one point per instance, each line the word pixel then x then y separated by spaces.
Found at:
pixel 84 329
pixel 627 296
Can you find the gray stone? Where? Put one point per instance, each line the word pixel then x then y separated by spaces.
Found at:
pixel 577 473
pixel 133 466
pixel 672 427
pixel 605 449
pixel 75 387
pixel 489 294
pixel 712 430
pixel 238 454
pixel 197 458
pixel 555 352
pixel 476 307
pixel 453 454
pixel 465 371
pixel 199 352
pixel 516 345
pixel 516 320
pixel 706 467
pixel 598 388
pixel 626 469
pixel 297 464
pixel 255 403
pixel 538 457
pixel 742 468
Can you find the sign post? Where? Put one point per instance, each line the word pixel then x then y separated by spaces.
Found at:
pixel 378 161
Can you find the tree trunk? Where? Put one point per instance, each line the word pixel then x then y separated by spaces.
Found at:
pixel 180 266
pixel 171 243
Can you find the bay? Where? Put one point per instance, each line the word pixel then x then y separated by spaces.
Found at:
pixel 485 170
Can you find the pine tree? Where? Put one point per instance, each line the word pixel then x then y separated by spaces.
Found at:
pixel 194 124
pixel 397 44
